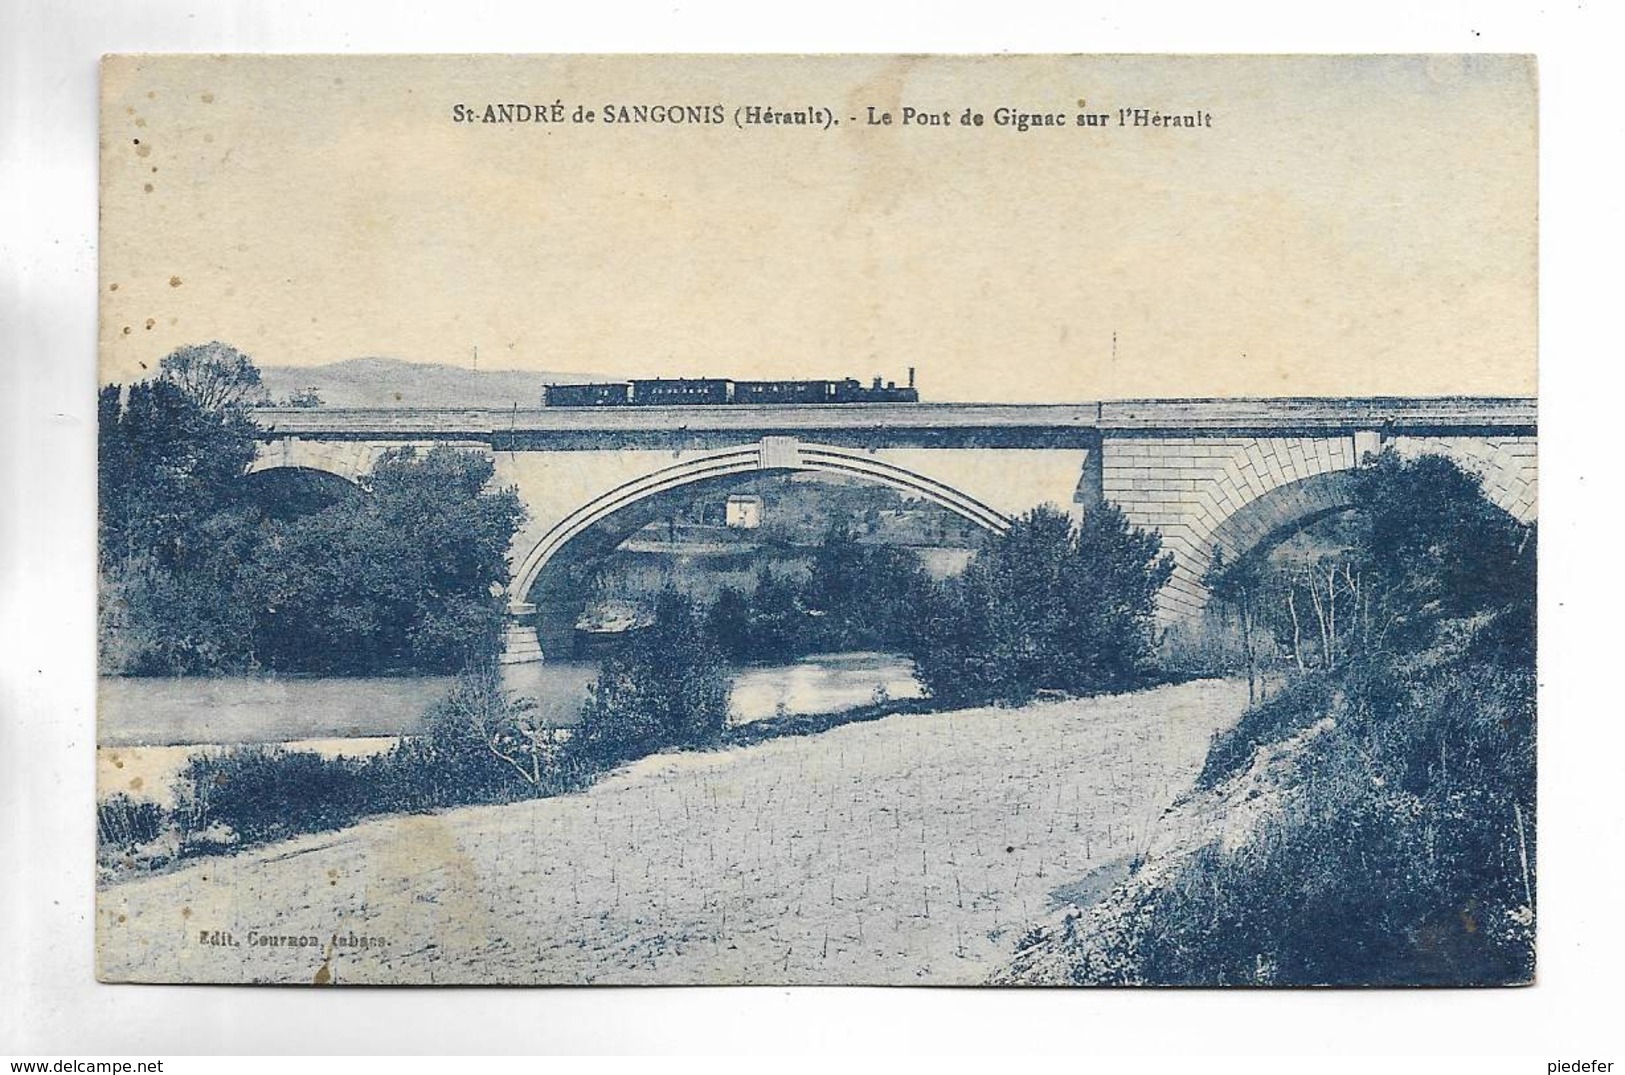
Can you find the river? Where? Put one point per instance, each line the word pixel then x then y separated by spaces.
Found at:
pixel 148 727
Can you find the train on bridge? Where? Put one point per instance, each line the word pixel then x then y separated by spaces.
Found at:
pixel 722 391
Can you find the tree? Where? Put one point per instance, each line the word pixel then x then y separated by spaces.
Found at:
pixel 728 622
pixel 1424 549
pixel 778 625
pixel 855 596
pixel 1046 606
pixel 218 377
pixel 867 595
pixel 1239 586
pixel 409 576
pixel 166 463
pixel 172 522
pixel 1433 548
pixel 200 575
pixel 668 687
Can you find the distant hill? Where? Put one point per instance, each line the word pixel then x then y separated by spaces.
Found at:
pixel 390 382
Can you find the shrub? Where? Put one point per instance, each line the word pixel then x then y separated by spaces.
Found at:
pixel 124 824
pixel 1302 702
pixel 1402 854
pixel 482 743
pixel 255 794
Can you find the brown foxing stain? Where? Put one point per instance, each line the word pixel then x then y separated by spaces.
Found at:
pixel 324 973
pixel 208 98
pixel 174 281
pixel 136 783
pixel 208 137
pixel 140 149
pixel 186 912
pixel 141 121
pixel 151 322
pixel 147 187
pixel 112 287
pixel 126 330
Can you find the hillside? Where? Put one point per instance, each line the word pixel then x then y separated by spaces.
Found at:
pixel 1370 827
pixel 391 382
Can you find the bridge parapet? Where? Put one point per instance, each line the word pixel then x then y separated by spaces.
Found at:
pixel 1278 415
pixel 747 420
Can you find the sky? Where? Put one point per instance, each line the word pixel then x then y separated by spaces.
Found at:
pixel 1343 226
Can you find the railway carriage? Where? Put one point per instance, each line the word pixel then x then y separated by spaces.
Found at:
pixel 722 391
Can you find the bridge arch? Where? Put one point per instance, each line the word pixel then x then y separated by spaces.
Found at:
pixel 1266 489
pixel 1276 515
pixel 350 460
pixel 770 455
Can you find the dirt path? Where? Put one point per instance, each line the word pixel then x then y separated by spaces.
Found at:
pixel 911 850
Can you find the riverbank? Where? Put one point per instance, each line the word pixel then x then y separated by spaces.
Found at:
pixel 910 849
pixel 150 727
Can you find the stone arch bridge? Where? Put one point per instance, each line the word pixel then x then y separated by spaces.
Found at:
pixel 1207 474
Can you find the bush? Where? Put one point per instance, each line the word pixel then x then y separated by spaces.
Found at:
pixel 1301 703
pixel 482 743
pixel 256 794
pixel 855 596
pixel 124 824
pixel 864 596
pixel 1402 854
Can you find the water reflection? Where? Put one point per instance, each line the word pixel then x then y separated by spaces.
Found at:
pixel 166 712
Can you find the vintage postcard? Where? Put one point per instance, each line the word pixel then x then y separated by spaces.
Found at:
pixel 909 520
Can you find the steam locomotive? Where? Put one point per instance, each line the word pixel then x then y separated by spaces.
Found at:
pixel 721 391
